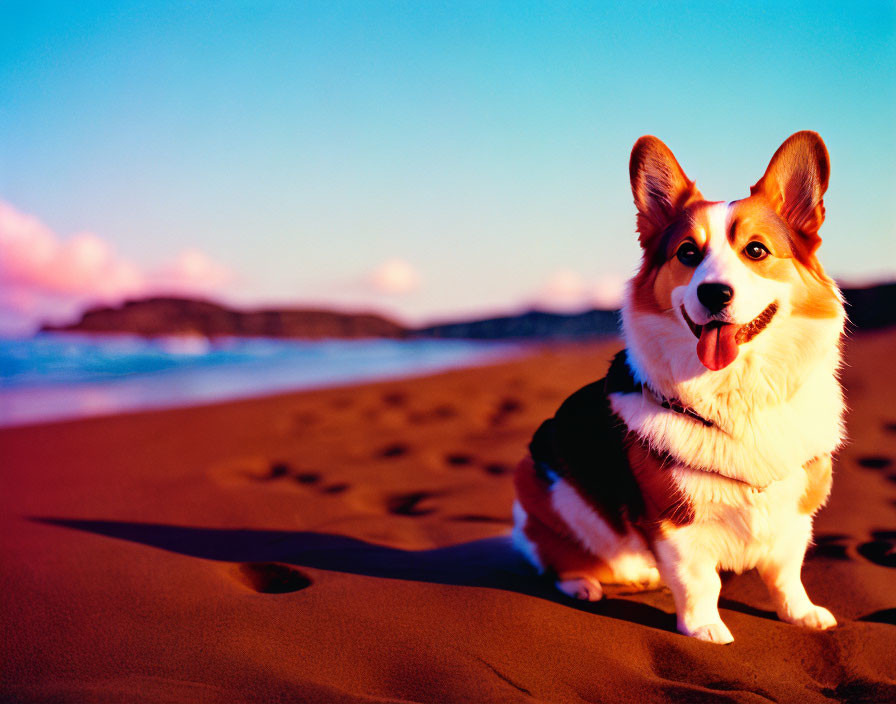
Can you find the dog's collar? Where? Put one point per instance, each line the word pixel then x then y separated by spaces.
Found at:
pixel 620 380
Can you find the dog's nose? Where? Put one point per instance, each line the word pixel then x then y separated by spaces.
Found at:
pixel 715 296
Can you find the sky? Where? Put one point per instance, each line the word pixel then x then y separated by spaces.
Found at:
pixel 424 159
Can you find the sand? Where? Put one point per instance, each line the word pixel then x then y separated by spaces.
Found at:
pixel 349 545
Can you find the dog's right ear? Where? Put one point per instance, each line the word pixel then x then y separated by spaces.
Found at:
pixel 660 186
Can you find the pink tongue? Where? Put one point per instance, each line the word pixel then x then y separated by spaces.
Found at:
pixel 716 347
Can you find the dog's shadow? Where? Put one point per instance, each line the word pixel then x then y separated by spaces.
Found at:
pixel 489 563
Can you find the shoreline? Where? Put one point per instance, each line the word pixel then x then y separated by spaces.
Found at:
pixel 191 379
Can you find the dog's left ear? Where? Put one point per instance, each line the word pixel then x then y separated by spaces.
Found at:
pixel 795 182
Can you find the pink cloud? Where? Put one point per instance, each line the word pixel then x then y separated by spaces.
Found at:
pixel 44 274
pixel 608 290
pixel 192 270
pixel 568 290
pixel 394 276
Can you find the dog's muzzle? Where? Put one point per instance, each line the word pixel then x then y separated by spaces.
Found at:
pixel 747 332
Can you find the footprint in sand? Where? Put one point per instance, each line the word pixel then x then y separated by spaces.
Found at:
pixel 271 577
pixel 409 504
pixel 881 550
pixel 874 462
pixel 307 478
pixel 882 616
pixel 277 470
pixel 441 412
pixel 832 546
pixel 479 518
pixel 277 473
pixel 396 449
pixel 335 488
pixel 394 398
pixel 458 459
pixel 313 478
pixel 462 459
pixel 239 471
pixel 506 407
pixel 496 468
pixel 304 420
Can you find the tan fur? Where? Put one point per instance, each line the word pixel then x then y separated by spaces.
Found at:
pixel 665 503
pixel 819 478
pixel 547 530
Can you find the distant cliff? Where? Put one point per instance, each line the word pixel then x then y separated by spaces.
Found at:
pixel 531 325
pixel 872 307
pixel 868 308
pixel 154 317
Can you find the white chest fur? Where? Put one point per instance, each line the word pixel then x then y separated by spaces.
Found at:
pixel 763 447
pixel 737 526
pixel 776 407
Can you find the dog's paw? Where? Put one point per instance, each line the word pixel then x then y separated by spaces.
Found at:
pixel 711 633
pixel 635 570
pixel 586 588
pixel 816 617
pixel 650 578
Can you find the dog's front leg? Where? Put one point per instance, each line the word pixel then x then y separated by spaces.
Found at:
pixel 780 571
pixel 694 581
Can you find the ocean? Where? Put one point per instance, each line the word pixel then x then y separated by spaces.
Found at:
pixel 54 377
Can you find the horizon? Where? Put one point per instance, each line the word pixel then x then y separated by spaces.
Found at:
pixel 521 309
pixel 427 163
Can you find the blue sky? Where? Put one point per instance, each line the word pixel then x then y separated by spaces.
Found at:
pixel 300 146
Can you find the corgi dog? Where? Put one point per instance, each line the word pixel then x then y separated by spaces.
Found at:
pixel 708 444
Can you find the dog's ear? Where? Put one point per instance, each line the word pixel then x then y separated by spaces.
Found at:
pixel 795 182
pixel 660 186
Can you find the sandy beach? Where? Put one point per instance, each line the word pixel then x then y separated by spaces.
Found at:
pixel 349 545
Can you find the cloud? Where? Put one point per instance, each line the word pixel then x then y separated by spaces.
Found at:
pixel 192 270
pixel 44 274
pixel 568 290
pixel 394 276
pixel 608 291
pixel 32 258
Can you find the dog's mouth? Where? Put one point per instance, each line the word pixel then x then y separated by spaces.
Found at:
pixel 717 342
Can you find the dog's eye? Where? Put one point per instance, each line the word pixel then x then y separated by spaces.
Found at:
pixel 688 254
pixel 756 251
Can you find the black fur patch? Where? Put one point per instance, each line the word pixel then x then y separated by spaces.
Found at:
pixel 585 444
